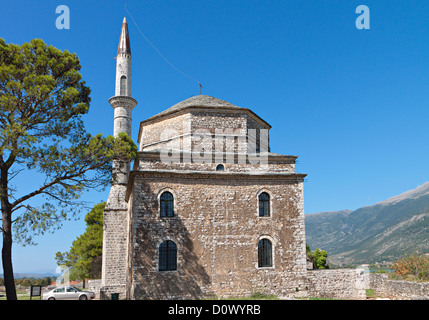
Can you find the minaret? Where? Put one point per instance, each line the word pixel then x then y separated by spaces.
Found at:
pixel 115 215
pixel 122 102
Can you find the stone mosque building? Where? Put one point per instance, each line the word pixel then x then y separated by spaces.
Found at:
pixel 206 210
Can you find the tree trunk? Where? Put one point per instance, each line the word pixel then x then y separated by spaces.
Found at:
pixel 6 211
pixel 6 254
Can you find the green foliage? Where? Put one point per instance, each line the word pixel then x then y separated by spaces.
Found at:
pixel 42 101
pixel 26 282
pixel 262 296
pixel 318 257
pixel 370 293
pixel 308 251
pixel 86 247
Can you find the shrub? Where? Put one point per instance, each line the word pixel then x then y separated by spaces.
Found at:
pixel 413 267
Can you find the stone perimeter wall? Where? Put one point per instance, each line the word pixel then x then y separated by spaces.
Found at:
pixel 349 284
pixel 398 289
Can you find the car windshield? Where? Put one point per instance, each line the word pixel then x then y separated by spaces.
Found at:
pixel 76 288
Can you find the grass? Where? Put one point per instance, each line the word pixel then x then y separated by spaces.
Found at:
pixel 370 293
pixel 259 296
pixel 253 296
pixel 314 298
pixel 21 297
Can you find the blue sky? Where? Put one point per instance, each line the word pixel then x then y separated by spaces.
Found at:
pixel 352 104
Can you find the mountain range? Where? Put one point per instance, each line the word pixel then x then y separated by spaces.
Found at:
pixel 385 231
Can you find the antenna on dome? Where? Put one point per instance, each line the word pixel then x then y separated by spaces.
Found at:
pixel 200 87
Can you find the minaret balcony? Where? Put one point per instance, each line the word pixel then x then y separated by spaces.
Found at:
pixel 123 101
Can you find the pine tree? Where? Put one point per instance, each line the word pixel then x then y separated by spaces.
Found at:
pixel 42 101
pixel 86 247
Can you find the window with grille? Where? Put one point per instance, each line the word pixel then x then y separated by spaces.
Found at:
pixel 166 204
pixel 265 254
pixel 264 204
pixel 167 256
pixel 123 89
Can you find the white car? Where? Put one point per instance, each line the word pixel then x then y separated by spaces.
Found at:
pixel 67 293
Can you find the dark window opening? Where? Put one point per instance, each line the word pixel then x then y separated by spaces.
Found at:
pixel 220 167
pixel 265 257
pixel 264 204
pixel 123 89
pixel 167 204
pixel 167 256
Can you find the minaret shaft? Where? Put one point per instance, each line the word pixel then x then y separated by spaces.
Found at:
pixel 122 102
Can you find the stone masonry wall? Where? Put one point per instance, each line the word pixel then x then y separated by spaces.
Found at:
pixel 398 289
pixel 346 284
pixel 286 165
pixel 115 243
pixel 154 134
pixel 216 229
pixel 191 131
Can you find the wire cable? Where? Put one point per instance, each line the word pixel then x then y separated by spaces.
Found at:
pixel 160 53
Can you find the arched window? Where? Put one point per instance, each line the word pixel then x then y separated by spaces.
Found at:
pixel 166 204
pixel 220 167
pixel 265 253
pixel 167 256
pixel 264 204
pixel 123 89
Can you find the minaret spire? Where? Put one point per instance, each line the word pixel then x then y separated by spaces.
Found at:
pixel 124 41
pixel 123 63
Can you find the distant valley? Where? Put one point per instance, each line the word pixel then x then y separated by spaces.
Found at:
pixel 32 275
pixel 385 231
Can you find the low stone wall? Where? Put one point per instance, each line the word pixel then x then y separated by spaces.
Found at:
pixel 106 292
pixel 349 284
pixel 94 286
pixel 398 289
